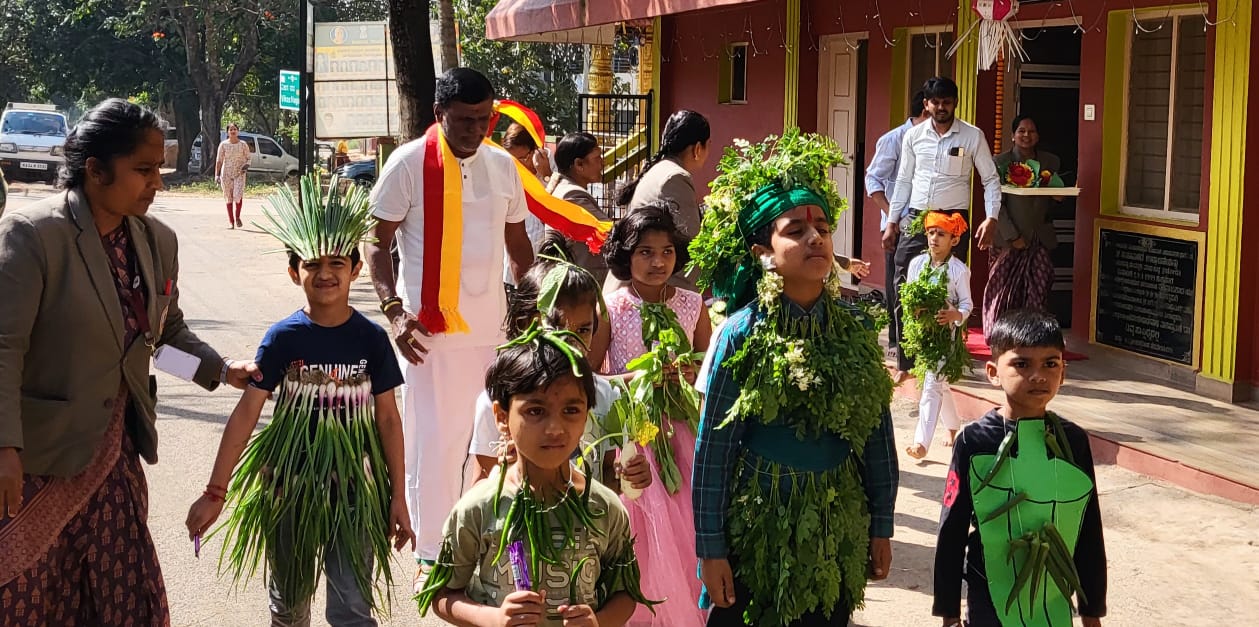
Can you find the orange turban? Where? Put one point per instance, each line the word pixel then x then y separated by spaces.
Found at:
pixel 951 223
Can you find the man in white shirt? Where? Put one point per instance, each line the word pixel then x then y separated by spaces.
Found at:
pixel 880 186
pixel 934 174
pixel 444 372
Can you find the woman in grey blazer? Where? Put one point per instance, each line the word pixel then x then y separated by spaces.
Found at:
pixel 90 288
pixel 1021 271
pixel 666 180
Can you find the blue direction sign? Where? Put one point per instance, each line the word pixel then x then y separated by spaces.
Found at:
pixel 290 90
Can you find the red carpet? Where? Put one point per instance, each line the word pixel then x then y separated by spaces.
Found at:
pixel 978 347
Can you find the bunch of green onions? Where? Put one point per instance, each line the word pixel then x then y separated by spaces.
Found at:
pixel 312 479
pixel 319 223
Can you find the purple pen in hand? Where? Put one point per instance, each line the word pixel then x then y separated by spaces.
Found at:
pixel 196 546
pixel 519 568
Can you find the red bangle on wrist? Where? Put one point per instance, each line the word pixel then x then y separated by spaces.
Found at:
pixel 213 497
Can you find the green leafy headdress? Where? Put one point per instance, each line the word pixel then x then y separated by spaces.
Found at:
pixel 756 183
pixel 319 223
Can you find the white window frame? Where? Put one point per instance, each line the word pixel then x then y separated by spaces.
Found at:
pixel 941 59
pixel 1166 213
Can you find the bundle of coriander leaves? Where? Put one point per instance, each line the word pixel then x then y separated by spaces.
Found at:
pixel 933 346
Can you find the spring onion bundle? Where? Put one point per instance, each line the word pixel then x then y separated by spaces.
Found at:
pixel 314 478
pixel 319 223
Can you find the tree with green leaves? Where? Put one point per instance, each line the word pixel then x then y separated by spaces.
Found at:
pixel 540 76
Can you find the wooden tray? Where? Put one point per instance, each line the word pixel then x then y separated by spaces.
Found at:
pixel 1040 191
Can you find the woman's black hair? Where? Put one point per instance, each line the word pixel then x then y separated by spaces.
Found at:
pixel 532 366
pixel 111 129
pixel 628 232
pixel 462 84
pixel 578 287
pixel 572 147
pixel 295 261
pixel 1024 328
pixel 1014 126
pixel 684 129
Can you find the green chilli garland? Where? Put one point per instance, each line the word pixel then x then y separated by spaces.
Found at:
pixel 531 520
pixel 933 346
pixel 302 483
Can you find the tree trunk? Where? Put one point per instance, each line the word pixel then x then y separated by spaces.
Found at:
pixel 449 37
pixel 413 59
pixel 211 129
pixel 187 123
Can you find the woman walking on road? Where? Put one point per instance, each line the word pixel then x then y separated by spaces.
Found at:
pixel 230 170
pixel 91 289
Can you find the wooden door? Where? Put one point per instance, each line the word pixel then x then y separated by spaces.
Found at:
pixel 838 106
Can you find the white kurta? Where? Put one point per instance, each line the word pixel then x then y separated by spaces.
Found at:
pixel 439 397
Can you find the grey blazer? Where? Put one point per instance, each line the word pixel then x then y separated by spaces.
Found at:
pixel 568 190
pixel 1026 216
pixel 61 332
pixel 668 181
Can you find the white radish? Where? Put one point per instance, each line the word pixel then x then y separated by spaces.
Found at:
pixel 629 452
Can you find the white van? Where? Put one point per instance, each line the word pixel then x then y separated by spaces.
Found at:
pixel 268 157
pixel 31 140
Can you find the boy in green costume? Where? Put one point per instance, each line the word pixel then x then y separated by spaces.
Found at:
pixel 795 470
pixel 1021 523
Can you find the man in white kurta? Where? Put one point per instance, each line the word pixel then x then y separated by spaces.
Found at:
pixel 444 373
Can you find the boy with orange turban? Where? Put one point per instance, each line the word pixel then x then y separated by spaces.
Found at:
pixel 936 297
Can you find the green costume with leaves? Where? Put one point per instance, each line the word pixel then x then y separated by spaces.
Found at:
pixel 1030 508
pixel 795 467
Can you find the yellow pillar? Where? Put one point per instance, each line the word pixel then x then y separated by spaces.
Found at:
pixel 791 73
pixel 1224 218
pixel 599 81
pixel 964 64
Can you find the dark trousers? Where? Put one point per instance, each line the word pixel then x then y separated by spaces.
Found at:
pixel 906 249
pixel 891 300
pixel 733 616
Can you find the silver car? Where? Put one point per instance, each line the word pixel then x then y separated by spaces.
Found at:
pixel 268 157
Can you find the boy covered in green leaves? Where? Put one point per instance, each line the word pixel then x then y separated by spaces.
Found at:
pixel 1021 523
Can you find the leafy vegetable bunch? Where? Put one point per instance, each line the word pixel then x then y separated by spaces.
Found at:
pixel 794 159
pixel 657 392
pixel 817 374
pixel 934 346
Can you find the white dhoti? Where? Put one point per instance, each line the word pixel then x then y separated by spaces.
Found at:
pixel 438 409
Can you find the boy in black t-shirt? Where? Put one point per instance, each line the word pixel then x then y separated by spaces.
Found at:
pixel 303 497
pixel 1021 479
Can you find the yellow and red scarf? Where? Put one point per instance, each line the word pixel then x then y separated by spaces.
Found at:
pixel 443 220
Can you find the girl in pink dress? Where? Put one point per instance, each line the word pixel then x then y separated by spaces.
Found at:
pixel 645 249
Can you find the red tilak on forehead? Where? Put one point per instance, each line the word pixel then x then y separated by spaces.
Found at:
pixel 809 212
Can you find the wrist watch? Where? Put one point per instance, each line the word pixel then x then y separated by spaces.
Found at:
pixel 227 363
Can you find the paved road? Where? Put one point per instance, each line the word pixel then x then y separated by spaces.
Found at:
pixel 1176 558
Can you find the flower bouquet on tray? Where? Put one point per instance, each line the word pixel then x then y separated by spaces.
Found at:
pixel 1029 178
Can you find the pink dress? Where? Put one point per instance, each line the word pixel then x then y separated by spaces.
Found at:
pixel 663 523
